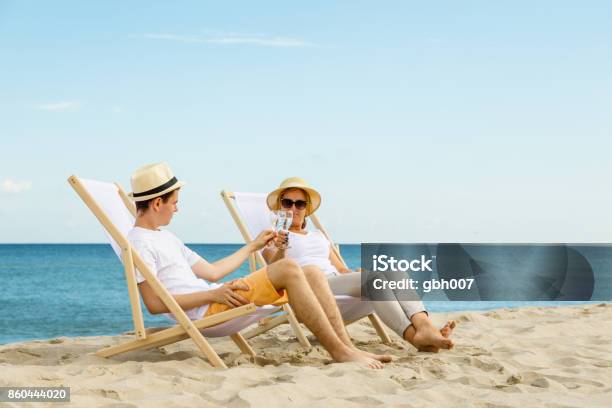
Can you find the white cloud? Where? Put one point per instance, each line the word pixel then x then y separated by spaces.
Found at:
pixel 261 41
pixel 15 187
pixel 60 106
pixel 233 39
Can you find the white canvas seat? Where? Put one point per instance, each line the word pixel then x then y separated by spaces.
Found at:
pixel 251 215
pixel 115 211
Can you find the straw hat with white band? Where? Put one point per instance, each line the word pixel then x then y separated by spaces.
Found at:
pixel 153 180
pixel 294 182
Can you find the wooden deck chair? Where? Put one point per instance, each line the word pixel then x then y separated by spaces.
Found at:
pixel 251 215
pixel 111 206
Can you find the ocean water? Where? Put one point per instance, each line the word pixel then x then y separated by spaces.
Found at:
pixel 50 290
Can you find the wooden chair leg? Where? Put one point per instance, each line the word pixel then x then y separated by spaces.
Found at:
pixel 266 325
pixel 380 329
pixel 242 344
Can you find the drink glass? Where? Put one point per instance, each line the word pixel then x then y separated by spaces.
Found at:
pixel 273 221
pixel 283 223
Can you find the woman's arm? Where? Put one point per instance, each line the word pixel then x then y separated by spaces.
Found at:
pixel 272 255
pixel 336 262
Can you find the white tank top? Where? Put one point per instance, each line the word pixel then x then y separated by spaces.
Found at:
pixel 311 248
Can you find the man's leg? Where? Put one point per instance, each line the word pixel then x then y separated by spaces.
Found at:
pixel 286 274
pixel 320 286
pixel 318 282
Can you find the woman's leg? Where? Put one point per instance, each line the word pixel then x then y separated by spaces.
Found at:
pixel 406 318
pixel 423 335
pixel 391 313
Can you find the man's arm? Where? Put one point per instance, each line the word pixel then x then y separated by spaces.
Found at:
pixel 212 272
pixel 217 270
pixel 224 294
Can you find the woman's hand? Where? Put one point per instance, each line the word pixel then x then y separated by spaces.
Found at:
pixel 281 240
pixel 262 239
pixel 226 294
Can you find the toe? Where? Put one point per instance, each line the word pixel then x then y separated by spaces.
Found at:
pixel 447 344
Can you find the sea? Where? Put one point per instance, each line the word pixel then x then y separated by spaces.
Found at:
pixel 54 290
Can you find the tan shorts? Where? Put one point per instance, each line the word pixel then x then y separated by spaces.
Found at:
pixel 261 292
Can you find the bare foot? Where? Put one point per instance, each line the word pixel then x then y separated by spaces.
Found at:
pixel 447 330
pixel 430 339
pixel 355 356
pixel 383 358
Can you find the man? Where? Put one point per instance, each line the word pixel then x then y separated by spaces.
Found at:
pixel 155 191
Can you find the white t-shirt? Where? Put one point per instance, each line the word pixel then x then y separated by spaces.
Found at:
pixel 311 248
pixel 171 261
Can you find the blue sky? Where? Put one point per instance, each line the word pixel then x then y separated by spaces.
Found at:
pixel 463 121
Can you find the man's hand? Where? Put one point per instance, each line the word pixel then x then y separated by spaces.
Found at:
pixel 238 284
pixel 262 239
pixel 226 294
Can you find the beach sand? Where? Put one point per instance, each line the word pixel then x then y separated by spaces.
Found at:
pixel 528 357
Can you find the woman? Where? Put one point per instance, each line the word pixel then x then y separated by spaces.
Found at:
pixel 313 252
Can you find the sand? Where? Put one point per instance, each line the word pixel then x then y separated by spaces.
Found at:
pixel 528 357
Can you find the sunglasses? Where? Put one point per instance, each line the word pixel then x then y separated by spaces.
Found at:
pixel 299 204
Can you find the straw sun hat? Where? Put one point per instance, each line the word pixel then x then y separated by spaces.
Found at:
pixel 153 180
pixel 294 182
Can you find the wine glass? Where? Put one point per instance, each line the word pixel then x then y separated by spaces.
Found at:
pixel 273 220
pixel 283 222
